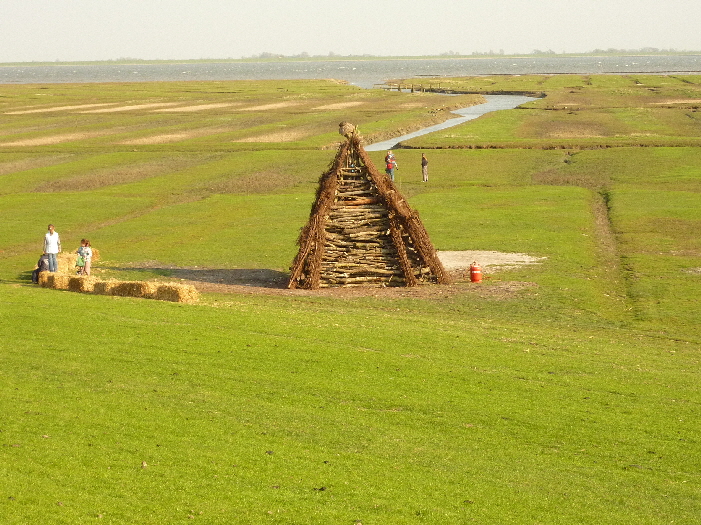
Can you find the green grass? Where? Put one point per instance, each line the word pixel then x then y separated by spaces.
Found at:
pixel 580 112
pixel 562 392
pixel 244 414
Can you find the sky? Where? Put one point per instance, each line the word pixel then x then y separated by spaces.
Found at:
pixel 82 30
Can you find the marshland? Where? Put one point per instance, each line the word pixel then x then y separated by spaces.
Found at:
pixel 559 392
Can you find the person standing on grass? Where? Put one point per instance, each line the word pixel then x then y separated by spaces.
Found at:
pixel 391 165
pixel 424 167
pixel 86 251
pixel 52 247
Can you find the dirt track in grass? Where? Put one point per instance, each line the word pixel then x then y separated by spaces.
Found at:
pixel 457 264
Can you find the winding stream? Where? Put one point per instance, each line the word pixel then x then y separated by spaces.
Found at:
pixel 494 103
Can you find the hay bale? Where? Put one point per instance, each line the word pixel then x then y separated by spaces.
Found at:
pixel 81 283
pixel 58 281
pixel 133 289
pixel 178 293
pixel 104 287
pixel 44 279
pixel 66 262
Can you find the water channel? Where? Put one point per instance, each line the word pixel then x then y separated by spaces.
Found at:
pixel 494 103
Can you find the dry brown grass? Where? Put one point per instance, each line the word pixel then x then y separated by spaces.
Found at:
pixel 199 107
pixel 57 108
pixel 275 105
pixel 340 105
pixel 278 136
pixel 132 107
pixel 101 177
pixel 17 166
pixel 260 182
pixel 167 138
pixel 55 139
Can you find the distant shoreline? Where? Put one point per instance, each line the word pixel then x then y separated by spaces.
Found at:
pixel 353 58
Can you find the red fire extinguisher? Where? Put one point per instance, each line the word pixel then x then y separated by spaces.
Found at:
pixel 475 273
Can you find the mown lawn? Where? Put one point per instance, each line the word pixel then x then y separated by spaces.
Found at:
pixel 562 392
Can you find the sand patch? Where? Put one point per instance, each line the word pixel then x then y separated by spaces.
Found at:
pixel 279 136
pixel 58 108
pixel 159 139
pixel 678 101
pixel 490 261
pixel 266 107
pixel 341 105
pixel 200 107
pixel 31 163
pixel 132 108
pixel 167 138
pixel 52 139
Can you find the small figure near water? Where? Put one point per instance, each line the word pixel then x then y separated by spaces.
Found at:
pixel 390 165
pixel 52 247
pixel 424 167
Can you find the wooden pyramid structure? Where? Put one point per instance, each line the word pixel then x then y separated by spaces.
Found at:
pixel 361 231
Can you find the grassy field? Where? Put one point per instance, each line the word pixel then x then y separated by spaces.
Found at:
pixel 559 393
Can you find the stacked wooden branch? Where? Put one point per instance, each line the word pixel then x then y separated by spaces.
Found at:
pixel 361 232
pixel 358 250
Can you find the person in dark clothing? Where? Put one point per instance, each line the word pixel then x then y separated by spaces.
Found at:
pixel 42 266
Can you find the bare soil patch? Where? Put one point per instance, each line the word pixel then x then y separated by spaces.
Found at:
pixel 31 163
pixel 678 101
pixel 271 282
pixel 173 137
pixel 53 139
pixel 278 136
pixel 266 107
pixel 490 261
pixel 58 108
pixel 199 107
pixel 132 107
pixel 341 105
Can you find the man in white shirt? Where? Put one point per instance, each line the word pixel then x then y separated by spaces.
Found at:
pixel 52 246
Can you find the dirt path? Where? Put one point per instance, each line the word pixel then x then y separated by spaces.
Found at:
pixel 457 264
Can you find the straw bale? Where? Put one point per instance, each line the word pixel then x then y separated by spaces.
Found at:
pixel 104 287
pixel 58 281
pixel 81 283
pixel 44 280
pixel 178 293
pixel 66 262
pixel 133 289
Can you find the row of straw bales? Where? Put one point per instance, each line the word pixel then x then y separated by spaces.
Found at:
pixel 175 292
pixel 66 260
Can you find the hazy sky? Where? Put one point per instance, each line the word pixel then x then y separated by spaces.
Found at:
pixel 67 30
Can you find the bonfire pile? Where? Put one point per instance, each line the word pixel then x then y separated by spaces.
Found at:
pixel 361 231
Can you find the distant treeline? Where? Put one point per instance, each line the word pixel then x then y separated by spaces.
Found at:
pixel 268 56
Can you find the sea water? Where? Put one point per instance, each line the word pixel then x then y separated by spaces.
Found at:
pixel 360 72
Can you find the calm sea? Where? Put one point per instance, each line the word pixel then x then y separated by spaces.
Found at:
pixel 363 73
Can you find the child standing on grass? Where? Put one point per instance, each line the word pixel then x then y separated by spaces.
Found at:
pixel 84 252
